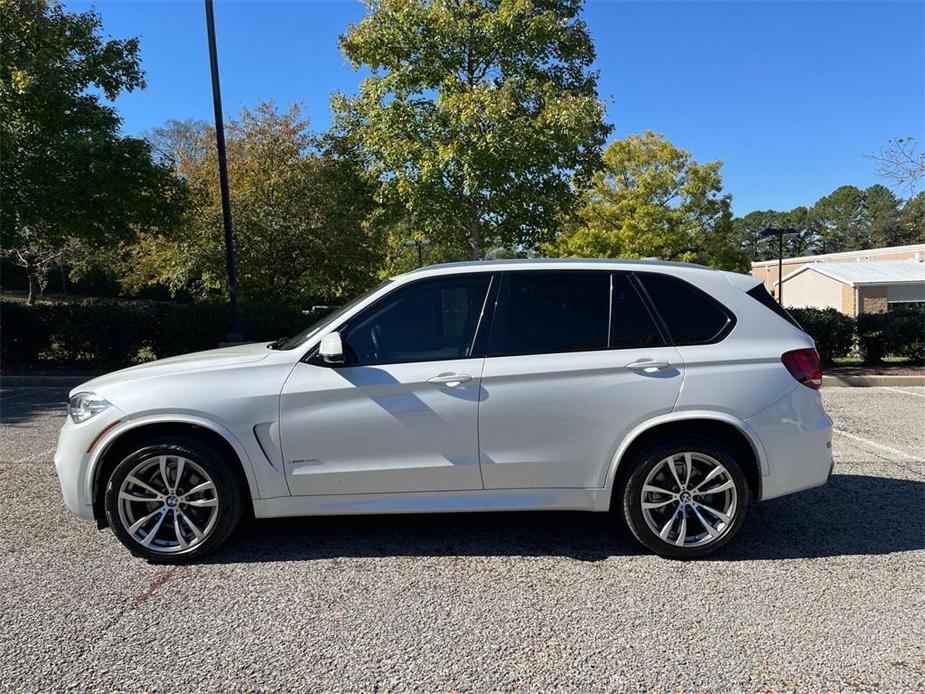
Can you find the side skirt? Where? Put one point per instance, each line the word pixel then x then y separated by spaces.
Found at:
pixel 436 502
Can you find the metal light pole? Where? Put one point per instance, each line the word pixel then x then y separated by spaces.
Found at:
pixel 779 233
pixel 420 244
pixel 237 330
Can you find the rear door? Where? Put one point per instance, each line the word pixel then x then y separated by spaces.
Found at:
pixel 575 360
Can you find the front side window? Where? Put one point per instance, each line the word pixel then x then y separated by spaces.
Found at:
pixel 545 311
pixel 426 321
pixel 691 316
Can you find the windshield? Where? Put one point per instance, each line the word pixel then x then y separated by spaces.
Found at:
pixel 305 335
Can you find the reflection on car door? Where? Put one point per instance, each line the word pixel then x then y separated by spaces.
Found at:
pixel 575 360
pixel 402 414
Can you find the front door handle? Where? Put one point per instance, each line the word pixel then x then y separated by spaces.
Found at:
pixel 648 365
pixel 449 380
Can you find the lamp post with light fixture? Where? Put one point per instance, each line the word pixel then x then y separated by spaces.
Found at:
pixel 237 330
pixel 779 233
pixel 420 244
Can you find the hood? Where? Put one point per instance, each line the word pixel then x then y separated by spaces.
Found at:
pixel 184 363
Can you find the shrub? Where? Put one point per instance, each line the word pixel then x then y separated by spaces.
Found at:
pixel 24 334
pixel 898 332
pixel 115 333
pixel 833 331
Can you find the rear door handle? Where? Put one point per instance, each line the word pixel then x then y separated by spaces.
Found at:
pixel 450 380
pixel 648 365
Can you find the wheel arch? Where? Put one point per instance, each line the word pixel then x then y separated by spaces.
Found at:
pixel 716 425
pixel 123 439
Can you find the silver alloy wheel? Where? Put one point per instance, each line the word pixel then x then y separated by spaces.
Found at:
pixel 689 499
pixel 168 504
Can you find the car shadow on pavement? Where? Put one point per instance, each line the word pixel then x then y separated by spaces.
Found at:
pixel 852 515
pixel 21 406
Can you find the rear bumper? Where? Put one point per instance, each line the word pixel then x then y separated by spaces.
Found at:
pixel 797 437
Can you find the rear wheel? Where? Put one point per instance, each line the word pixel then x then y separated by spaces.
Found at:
pixel 684 498
pixel 173 500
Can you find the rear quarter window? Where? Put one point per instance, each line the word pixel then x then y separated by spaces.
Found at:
pixel 761 295
pixel 690 315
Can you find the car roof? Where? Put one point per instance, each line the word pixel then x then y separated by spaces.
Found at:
pixel 550 263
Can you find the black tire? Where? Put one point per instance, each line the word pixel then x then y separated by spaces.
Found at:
pixel 628 498
pixel 228 492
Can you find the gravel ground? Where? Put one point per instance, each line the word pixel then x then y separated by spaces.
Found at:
pixel 821 591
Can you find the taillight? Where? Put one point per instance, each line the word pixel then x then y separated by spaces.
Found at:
pixel 805 366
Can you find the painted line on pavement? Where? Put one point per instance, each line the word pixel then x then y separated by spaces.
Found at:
pixel 874 444
pixel 905 392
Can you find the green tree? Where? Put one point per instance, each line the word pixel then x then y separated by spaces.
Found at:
pixel 912 221
pixel 68 180
pixel 882 216
pixel 477 117
pixel 301 213
pixel 842 218
pixel 805 242
pixel 652 199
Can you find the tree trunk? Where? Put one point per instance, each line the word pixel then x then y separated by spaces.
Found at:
pixel 35 288
pixel 475 239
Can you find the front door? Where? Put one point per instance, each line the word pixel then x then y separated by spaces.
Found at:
pixel 575 361
pixel 401 415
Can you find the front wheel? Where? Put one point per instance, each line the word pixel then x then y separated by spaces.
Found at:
pixel 173 500
pixel 684 498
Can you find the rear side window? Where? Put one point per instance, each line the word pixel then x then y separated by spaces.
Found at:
pixel 631 324
pixel 690 315
pixel 543 312
pixel 761 295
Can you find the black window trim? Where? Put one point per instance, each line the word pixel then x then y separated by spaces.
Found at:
pixel 721 335
pixel 479 339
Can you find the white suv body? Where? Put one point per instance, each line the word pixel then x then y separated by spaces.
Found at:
pixel 508 385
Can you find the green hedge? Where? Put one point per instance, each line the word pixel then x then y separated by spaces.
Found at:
pixel 833 331
pixel 119 333
pixel 900 332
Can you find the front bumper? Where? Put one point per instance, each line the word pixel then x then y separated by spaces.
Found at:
pixel 797 437
pixel 76 446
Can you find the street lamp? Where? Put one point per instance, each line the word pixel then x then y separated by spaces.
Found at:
pixel 237 330
pixel 420 244
pixel 779 233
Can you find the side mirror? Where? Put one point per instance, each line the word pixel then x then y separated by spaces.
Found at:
pixel 332 348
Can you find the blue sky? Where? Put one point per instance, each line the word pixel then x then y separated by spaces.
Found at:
pixel 791 96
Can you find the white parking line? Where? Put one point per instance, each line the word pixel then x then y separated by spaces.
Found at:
pixel 861 439
pixel 905 392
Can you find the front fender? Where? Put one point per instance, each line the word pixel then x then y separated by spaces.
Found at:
pixel 168 418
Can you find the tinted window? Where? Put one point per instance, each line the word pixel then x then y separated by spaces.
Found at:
pixel 429 320
pixel 631 323
pixel 541 312
pixel 690 315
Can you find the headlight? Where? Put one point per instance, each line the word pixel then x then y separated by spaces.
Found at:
pixel 83 406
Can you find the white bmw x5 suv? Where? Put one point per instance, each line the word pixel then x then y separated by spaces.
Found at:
pixel 668 394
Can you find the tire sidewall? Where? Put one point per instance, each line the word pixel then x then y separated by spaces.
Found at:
pixel 227 489
pixel 631 495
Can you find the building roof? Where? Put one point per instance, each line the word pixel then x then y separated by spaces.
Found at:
pixel 854 274
pixel 863 253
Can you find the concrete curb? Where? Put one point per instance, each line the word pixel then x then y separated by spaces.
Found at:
pixel 841 381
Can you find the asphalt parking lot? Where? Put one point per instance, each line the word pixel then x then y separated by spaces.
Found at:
pixel 821 591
